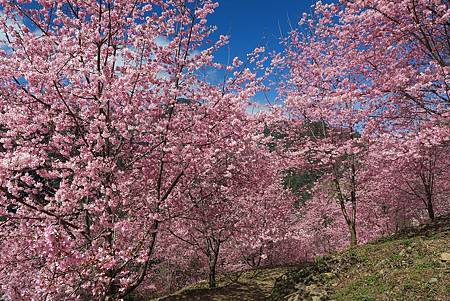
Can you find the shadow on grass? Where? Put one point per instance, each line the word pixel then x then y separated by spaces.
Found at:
pixel 233 292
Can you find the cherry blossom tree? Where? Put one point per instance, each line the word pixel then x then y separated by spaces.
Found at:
pixel 414 171
pixel 329 137
pixel 96 138
pixel 238 200
pixel 398 54
pixel 368 70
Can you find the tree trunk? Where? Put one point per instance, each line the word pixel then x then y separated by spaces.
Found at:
pixel 350 218
pixel 214 255
pixel 428 185
pixel 212 276
pixel 430 209
pixel 353 238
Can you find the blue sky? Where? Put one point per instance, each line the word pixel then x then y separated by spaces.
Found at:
pixel 252 23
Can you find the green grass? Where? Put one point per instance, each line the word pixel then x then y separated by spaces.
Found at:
pixel 400 268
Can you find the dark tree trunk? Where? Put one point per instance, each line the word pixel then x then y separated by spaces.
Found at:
pixel 427 178
pixel 430 209
pixel 213 255
pixel 353 238
pixel 212 276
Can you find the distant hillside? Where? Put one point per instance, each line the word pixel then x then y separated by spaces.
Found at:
pixel 413 265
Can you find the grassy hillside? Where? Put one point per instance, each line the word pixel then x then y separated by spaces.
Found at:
pixel 414 265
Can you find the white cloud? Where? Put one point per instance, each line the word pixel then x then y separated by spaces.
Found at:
pixel 15 24
pixel 161 41
pixel 255 108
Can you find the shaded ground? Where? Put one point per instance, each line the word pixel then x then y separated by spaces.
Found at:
pixel 252 285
